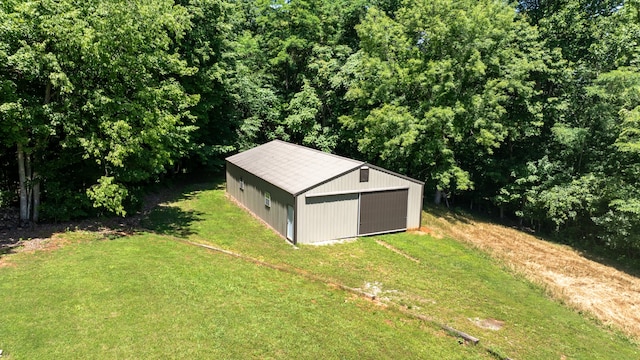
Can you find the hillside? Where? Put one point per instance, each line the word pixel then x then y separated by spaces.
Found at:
pixel 609 294
pixel 148 292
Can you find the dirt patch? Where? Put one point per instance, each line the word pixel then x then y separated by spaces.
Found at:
pixel 27 246
pixel 610 295
pixel 33 244
pixel 5 263
pixel 423 230
pixel 54 242
pixel 491 324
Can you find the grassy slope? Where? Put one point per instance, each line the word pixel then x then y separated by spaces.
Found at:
pixel 150 296
pixel 605 289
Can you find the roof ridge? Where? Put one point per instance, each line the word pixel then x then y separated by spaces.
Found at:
pixel 292 167
pixel 316 150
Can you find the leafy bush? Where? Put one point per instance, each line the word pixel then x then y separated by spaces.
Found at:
pixel 62 203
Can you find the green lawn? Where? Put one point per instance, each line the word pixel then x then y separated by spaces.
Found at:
pixel 153 296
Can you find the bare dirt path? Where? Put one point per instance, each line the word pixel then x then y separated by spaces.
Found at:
pixel 611 295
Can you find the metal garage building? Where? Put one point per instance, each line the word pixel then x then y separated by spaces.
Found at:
pixel 309 196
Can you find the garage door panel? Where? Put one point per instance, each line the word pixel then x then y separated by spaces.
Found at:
pixel 329 217
pixel 383 211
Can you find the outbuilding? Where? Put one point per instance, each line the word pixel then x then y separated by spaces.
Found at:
pixel 309 196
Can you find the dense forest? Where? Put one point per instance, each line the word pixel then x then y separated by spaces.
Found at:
pixel 529 110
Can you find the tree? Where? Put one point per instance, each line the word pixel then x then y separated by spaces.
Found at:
pixel 273 74
pixel 99 78
pixel 32 75
pixel 442 86
pixel 619 213
pixel 589 192
pixel 209 47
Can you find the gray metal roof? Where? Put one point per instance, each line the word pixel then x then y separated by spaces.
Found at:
pixel 293 168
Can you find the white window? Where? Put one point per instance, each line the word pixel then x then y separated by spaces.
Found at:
pixel 267 199
pixel 241 184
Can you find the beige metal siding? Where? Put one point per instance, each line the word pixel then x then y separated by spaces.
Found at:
pixel 252 197
pixel 350 182
pixel 327 217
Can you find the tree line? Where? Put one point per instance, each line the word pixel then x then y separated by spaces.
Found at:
pixel 530 110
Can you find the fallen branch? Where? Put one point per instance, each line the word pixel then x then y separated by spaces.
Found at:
pixel 458 333
pixel 497 355
pixel 461 334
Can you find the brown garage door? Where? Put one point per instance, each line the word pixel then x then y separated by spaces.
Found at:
pixel 383 211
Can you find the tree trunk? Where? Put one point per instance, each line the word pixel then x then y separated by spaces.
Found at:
pixel 36 197
pixel 22 177
pixel 29 184
pixel 35 179
pixel 437 199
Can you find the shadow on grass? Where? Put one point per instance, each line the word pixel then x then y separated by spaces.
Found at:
pixel 441 211
pixel 170 220
pixel 165 219
pixel 155 215
pixel 629 265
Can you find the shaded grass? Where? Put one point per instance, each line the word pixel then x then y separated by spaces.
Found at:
pixel 149 296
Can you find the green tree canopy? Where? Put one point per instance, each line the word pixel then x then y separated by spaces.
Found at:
pixel 96 81
pixel 443 84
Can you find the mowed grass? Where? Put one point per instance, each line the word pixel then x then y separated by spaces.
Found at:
pixel 154 296
pixel 145 297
